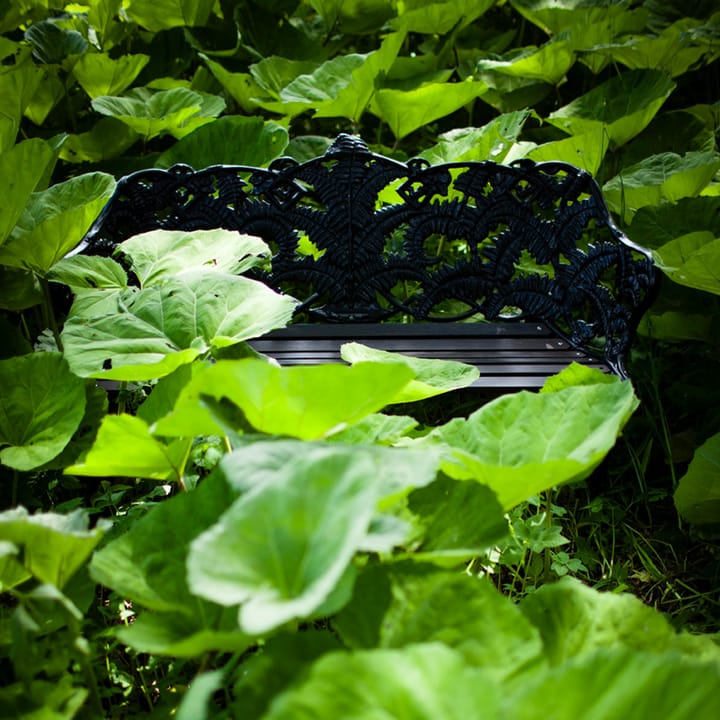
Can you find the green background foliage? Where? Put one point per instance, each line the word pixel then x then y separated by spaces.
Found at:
pixel 210 536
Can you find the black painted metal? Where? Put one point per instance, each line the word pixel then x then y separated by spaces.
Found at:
pixel 359 237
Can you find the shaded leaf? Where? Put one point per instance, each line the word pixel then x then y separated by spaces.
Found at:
pixel 156 15
pixel 41 406
pixel 697 497
pixel 692 260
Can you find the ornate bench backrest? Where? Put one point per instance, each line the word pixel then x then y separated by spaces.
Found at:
pixel 359 237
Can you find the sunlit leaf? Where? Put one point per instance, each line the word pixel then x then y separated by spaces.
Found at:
pixel 157 255
pixel 491 142
pixel 142 455
pixel 621 106
pixel 158 15
pixel 22 168
pixel 692 260
pixel 55 220
pixel 229 140
pixel 523 443
pixel 660 178
pixel 41 406
pixel 697 497
pixel 426 681
pixel 405 111
pixel 432 377
pixel 99 74
pixel 178 111
pixel 89 271
pixel 302 401
pixel 18 84
pixel 439 17
pixel 548 63
pixel 585 151
pixel 157 329
pixel 52 546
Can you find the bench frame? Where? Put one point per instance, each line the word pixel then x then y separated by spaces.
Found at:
pixel 529 249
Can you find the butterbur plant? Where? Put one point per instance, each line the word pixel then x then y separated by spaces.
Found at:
pixel 188 530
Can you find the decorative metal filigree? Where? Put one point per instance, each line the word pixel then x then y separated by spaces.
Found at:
pixel 357 236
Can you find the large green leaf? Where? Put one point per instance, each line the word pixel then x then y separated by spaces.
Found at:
pixel 621 106
pixel 427 681
pixel 692 260
pixel 523 443
pixel 491 142
pixel 52 546
pixel 457 520
pixel 432 377
pixel 18 85
pixel 178 111
pixel 156 15
pixel 233 140
pixel 99 74
pixel 89 271
pixel 405 111
pixel 585 151
pixel 548 63
pixel 575 620
pixel 440 17
pixel 142 455
pixel 19 289
pixel 353 16
pixel 697 497
pixel 41 406
pixel 287 570
pixel 55 220
pixel 660 178
pixel 106 139
pixel 623 684
pixel 159 328
pixel 157 255
pixel 22 168
pixel 398 605
pixel 303 401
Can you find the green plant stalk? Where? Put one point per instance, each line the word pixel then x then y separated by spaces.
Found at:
pixel 49 313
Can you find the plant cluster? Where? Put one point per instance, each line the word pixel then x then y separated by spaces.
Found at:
pixel 189 530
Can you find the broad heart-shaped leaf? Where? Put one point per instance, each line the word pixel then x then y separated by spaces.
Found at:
pixel 41 406
pixel 432 377
pixel 660 178
pixel 156 15
pixel 622 106
pixel 327 496
pixel 147 563
pixel 654 226
pixel 548 63
pixel 55 220
pixel 457 520
pixel 697 497
pixel 233 140
pixel 376 429
pixel 22 167
pixel 622 684
pixel 158 254
pixel 99 74
pixel 400 604
pixel 353 99
pixel 52 546
pixel 405 111
pixel 438 18
pixel 107 139
pixel 240 86
pixel 89 271
pixel 491 142
pixel 178 111
pixel 585 151
pixel 575 620
pixel 692 260
pixel 124 446
pixel 426 681
pixel 523 443
pixel 307 402
pixel 159 328
pixel 19 289
pixel 353 16
pixel 18 84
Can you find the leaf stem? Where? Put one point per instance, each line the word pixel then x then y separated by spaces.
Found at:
pixel 49 312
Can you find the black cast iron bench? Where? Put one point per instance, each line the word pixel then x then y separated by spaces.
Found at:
pixel 516 269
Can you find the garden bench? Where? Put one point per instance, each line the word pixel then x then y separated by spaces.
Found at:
pixel 517 269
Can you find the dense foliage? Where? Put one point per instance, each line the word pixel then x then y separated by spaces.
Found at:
pixel 206 535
